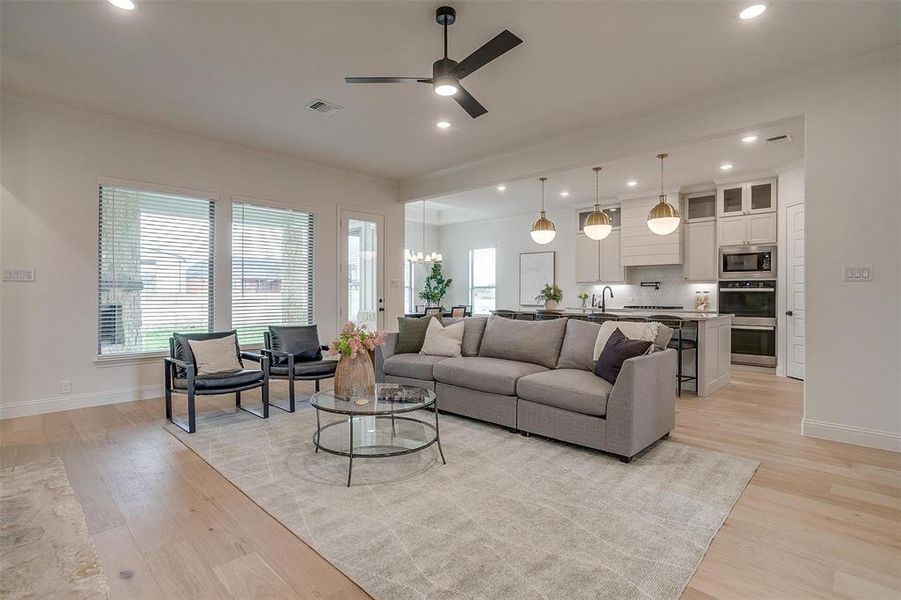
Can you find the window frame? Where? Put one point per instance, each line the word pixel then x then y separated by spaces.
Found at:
pixel 472 287
pixel 214 198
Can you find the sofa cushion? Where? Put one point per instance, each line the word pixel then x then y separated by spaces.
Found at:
pixel 536 342
pixel 571 389
pixel 300 340
pixel 473 330
pixel 577 351
pixel 222 380
pixel 494 375
pixel 411 333
pixel 416 366
pixel 618 350
pixel 441 340
pixel 308 368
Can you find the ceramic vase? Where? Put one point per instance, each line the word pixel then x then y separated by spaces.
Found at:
pixel 550 305
pixel 355 377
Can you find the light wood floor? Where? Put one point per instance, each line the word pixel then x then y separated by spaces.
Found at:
pixel 818 520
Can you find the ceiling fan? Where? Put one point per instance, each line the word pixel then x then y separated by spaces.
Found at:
pixel 447 73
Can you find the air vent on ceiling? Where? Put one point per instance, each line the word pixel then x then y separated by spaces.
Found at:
pixel 321 106
pixel 779 139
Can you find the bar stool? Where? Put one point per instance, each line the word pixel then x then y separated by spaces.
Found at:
pixel 600 318
pixel 680 342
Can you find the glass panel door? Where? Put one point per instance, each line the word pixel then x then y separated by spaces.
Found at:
pixel 762 197
pixel 363 301
pixel 732 201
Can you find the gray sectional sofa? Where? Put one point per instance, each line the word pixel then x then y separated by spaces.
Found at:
pixel 537 377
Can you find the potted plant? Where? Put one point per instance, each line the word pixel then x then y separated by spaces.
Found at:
pixel 583 296
pixel 435 286
pixel 354 376
pixel 551 295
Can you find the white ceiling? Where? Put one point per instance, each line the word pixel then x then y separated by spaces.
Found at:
pixel 690 166
pixel 242 72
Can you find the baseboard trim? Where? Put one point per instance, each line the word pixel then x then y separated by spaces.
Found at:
pixel 850 434
pixel 71 402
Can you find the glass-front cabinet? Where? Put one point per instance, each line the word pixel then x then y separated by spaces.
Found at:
pixel 746 198
pixel 731 200
pixel 761 196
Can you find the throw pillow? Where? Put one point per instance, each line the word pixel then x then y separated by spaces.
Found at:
pixel 618 350
pixel 630 329
pixel 215 356
pixel 443 341
pixel 411 334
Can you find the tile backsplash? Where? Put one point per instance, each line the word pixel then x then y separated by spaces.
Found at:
pixel 674 290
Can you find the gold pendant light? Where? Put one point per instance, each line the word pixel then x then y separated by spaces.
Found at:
pixel 597 226
pixel 664 218
pixel 543 230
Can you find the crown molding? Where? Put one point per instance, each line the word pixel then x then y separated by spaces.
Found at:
pixel 34 102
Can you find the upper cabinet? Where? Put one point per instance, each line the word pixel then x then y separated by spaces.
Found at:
pixel 700 251
pixel 599 261
pixel 747 213
pixel 699 206
pixel 641 246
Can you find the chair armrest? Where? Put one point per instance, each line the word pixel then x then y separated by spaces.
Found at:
pixel 171 364
pixel 325 348
pixel 642 404
pixel 383 352
pixel 274 353
pixel 252 356
pixel 178 363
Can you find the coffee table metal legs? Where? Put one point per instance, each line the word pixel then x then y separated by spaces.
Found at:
pixel 438 434
pixel 350 465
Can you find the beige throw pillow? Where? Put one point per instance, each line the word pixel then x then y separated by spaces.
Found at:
pixel 215 356
pixel 633 330
pixel 443 341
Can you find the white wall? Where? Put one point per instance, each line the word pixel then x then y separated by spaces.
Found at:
pixel 511 237
pixel 51 161
pixel 853 216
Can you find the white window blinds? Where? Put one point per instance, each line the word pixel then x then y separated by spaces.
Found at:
pixel 272 269
pixel 155 269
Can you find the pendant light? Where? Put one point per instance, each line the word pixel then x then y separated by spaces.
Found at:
pixel 664 218
pixel 597 226
pixel 543 230
pixel 420 256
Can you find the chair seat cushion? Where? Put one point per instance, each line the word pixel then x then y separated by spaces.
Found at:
pixel 222 380
pixel 415 366
pixel 571 389
pixel 307 369
pixel 493 375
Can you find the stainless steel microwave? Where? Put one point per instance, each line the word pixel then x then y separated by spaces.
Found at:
pixel 748 262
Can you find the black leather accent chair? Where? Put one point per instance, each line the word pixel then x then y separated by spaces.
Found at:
pixel 295 354
pixel 180 374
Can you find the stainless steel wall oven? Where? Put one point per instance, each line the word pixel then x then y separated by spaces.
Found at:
pixel 753 303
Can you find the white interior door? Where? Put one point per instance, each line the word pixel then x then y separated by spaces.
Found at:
pixel 362 268
pixel 794 305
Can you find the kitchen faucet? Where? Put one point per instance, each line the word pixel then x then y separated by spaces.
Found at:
pixel 604 297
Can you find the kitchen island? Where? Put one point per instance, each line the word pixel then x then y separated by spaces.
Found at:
pixel 714 335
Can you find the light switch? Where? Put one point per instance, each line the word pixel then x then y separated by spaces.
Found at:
pixel 18 274
pixel 857 273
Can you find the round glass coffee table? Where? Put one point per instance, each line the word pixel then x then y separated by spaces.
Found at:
pixel 374 427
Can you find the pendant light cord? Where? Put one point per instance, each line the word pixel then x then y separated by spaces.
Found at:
pixel 542 180
pixel 662 196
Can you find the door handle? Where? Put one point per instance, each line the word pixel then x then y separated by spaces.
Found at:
pixel 381 309
pixel 789 313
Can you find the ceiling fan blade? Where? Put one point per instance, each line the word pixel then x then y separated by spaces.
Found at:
pixel 387 80
pixel 501 43
pixel 469 104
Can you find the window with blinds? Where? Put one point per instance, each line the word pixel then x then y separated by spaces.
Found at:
pixel 155 269
pixel 272 269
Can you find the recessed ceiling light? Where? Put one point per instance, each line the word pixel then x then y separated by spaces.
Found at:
pixel 631 183
pixel 501 188
pixel 564 193
pixel 754 10
pixel 123 4
pixel 748 139
pixel 725 166
pixel 442 124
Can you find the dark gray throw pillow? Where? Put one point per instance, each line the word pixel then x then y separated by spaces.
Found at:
pixel 411 334
pixel 618 350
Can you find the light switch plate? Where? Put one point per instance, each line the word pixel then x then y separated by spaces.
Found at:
pixel 857 273
pixel 18 274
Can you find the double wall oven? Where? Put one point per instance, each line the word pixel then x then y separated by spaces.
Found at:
pixel 753 302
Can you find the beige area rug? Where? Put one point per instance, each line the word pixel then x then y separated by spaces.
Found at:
pixel 507 517
pixel 45 551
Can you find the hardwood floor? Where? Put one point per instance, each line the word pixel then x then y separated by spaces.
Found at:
pixel 818 520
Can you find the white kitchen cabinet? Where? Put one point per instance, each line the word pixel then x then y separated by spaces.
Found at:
pixel 746 230
pixel 700 251
pixel 599 261
pixel 750 197
pixel 641 246
pixel 762 228
pixel 731 200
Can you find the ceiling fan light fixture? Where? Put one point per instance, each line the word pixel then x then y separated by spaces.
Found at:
pixel 445 85
pixel 123 4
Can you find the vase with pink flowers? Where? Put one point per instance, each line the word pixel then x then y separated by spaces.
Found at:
pixel 355 376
